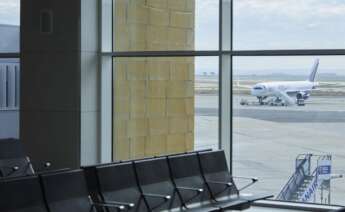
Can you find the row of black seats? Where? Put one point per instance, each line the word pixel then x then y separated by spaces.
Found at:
pixel 14 162
pixel 197 181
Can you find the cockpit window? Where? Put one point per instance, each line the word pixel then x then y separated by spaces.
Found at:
pixel 258 88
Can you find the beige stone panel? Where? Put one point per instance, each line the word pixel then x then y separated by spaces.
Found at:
pixel 122 90
pixel 138 46
pixel 156 107
pixel 158 46
pixel 190 7
pixel 121 106
pixel 138 107
pixel 159 17
pixel 137 147
pixel 136 70
pixel 176 107
pixel 191 123
pixel 190 106
pixel 177 38
pixel 137 12
pixel 158 70
pixel 137 88
pixel 137 33
pixel 120 128
pixel 176 143
pixel 157 3
pixel 120 71
pixel 157 37
pixel 178 125
pixel 121 38
pixel 189 142
pixel 121 149
pixel 157 89
pixel 137 128
pixel 179 5
pixel 158 126
pixel 191 39
pixel 156 145
pixel 120 11
pixel 180 89
pixel 181 71
pixel 182 19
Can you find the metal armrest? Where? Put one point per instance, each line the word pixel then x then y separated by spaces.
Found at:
pixel 127 204
pixel 165 197
pixel 228 184
pixel 198 190
pixel 253 179
pixel 99 204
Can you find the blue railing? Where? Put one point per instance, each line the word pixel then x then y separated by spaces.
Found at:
pixel 302 170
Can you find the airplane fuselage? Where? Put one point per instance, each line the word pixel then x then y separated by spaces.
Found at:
pixel 291 88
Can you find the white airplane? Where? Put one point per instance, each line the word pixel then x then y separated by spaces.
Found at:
pixel 288 92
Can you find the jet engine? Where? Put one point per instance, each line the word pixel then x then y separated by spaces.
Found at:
pixel 302 95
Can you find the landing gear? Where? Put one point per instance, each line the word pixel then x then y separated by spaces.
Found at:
pixel 261 99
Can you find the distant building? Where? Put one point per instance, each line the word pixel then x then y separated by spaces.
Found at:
pixel 9 82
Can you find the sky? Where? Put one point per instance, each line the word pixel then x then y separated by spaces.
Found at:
pixel 9 12
pixel 276 24
pixel 260 24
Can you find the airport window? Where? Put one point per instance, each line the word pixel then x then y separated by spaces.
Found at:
pixel 283 132
pixel 289 133
pixel 9 68
pixel 288 24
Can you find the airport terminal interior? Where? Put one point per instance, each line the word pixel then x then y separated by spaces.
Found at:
pixel 172 105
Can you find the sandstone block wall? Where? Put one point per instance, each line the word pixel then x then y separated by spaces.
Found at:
pixel 153 97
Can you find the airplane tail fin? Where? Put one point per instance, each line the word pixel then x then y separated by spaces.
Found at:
pixel 312 75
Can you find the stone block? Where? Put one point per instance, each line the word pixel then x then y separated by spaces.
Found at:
pixel 178 125
pixel 156 107
pixel 157 37
pixel 158 126
pixel 158 3
pixel 157 89
pixel 121 149
pixel 179 5
pixel 176 143
pixel 180 89
pixel 138 107
pixel 158 17
pixel 137 147
pixel 158 70
pixel 181 71
pixel 176 108
pixel 137 128
pixel 156 145
pixel 182 19
pixel 136 70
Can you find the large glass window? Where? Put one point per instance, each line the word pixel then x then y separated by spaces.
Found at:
pixel 9 68
pixel 288 121
pixel 288 24
pixel 182 82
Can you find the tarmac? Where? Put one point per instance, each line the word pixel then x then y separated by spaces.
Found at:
pixel 267 139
